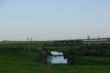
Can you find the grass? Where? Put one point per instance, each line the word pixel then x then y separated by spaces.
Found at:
pixel 94 60
pixel 23 63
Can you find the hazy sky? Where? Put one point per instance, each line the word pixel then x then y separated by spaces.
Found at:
pixel 54 19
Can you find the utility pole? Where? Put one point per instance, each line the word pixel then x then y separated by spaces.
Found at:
pixel 31 39
pixel 31 44
pixel 28 45
pixel 88 37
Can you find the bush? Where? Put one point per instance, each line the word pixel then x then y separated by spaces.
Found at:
pixel 72 56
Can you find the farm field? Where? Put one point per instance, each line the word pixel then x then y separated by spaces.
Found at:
pixel 23 63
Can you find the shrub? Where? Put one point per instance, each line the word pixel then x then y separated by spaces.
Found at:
pixel 72 56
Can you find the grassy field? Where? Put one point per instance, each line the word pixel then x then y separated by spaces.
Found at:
pixel 94 60
pixel 23 63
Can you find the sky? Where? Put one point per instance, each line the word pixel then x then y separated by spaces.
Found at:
pixel 54 19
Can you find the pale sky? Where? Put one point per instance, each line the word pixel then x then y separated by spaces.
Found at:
pixel 54 19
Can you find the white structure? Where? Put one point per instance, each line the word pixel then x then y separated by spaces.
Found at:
pixel 56 58
pixel 96 41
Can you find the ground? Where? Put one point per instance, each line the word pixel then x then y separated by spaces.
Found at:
pixel 30 64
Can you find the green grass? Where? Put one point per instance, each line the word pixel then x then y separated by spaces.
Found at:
pixel 23 63
pixel 94 60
